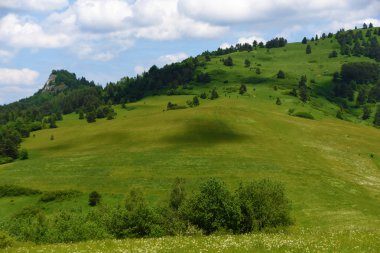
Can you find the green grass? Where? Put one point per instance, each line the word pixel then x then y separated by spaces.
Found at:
pixel 325 164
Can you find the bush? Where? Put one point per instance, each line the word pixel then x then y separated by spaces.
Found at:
pixel 58 195
pixel 15 191
pixel 94 198
pixel 281 74
pixel 4 160
pixel 23 154
pixel 263 205
pixel 213 208
pixel 5 240
pixel 305 115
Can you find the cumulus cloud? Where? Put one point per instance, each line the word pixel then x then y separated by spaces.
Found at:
pixel 17 77
pixel 34 5
pixel 250 39
pixel 139 69
pixel 99 15
pixel 171 58
pixel 24 33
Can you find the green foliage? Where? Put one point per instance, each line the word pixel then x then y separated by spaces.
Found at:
pixel 214 94
pixel 58 195
pixel 5 240
pixel 91 117
pixel 263 205
pixel 203 78
pixel 304 115
pixel 304 94
pixel 281 74
pixel 333 54
pixel 203 95
pixel 228 62
pixel 360 72
pixel 258 71
pixel 242 89
pixel 278 101
pixel 81 115
pixel 247 63
pixel 178 194
pixel 23 154
pixel 308 49
pixel 213 208
pixel 171 106
pixel 376 121
pixel 94 198
pixel 14 191
pixel 366 112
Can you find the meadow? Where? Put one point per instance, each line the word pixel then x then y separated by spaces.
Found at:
pixel 330 168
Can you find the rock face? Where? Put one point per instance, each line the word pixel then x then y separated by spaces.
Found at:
pixel 51 86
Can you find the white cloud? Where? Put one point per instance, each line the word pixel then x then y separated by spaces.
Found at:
pixel 24 33
pixel 17 77
pixel 99 15
pixel 5 55
pixel 34 5
pixel 171 58
pixel 139 69
pixel 250 39
pixel 225 45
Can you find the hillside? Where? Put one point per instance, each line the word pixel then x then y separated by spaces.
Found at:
pixel 330 167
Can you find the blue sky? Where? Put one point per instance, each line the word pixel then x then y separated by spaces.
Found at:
pixel 105 40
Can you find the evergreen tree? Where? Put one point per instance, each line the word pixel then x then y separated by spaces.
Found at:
pixel 195 101
pixel 370 25
pixel 304 96
pixel 365 26
pixel 281 74
pixel 308 49
pixel 91 117
pixel 94 198
pixel 278 101
pixel 214 94
pixel 304 40
pixel 242 89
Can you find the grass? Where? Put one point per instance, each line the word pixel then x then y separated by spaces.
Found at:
pixel 330 167
pixel 349 240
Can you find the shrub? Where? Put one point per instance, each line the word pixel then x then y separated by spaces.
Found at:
pixel 23 154
pixel 278 101
pixel 5 240
pixel 281 74
pixel 214 94
pixel 91 117
pixel 305 115
pixel 263 205
pixel 15 191
pixel 94 198
pixel 203 95
pixel 58 195
pixel 213 208
pixel 178 194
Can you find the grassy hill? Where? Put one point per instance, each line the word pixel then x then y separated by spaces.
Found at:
pixel 330 168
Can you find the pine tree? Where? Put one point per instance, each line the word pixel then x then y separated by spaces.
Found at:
pixel 304 40
pixel 304 96
pixel 308 49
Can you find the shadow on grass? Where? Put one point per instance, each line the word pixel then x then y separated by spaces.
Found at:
pixel 206 132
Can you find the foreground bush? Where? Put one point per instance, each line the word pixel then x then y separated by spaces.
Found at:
pixel 5 240
pixel 255 206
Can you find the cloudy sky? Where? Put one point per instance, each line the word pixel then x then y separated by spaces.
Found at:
pixel 105 40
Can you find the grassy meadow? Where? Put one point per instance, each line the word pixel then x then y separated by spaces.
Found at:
pixel 329 167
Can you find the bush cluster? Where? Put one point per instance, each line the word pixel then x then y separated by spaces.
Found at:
pixel 14 191
pixel 256 206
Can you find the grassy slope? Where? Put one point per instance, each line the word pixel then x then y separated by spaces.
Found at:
pixel 325 164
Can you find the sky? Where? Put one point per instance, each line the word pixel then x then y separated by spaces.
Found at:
pixel 105 40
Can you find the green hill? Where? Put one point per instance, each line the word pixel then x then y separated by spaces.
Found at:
pixel 330 167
